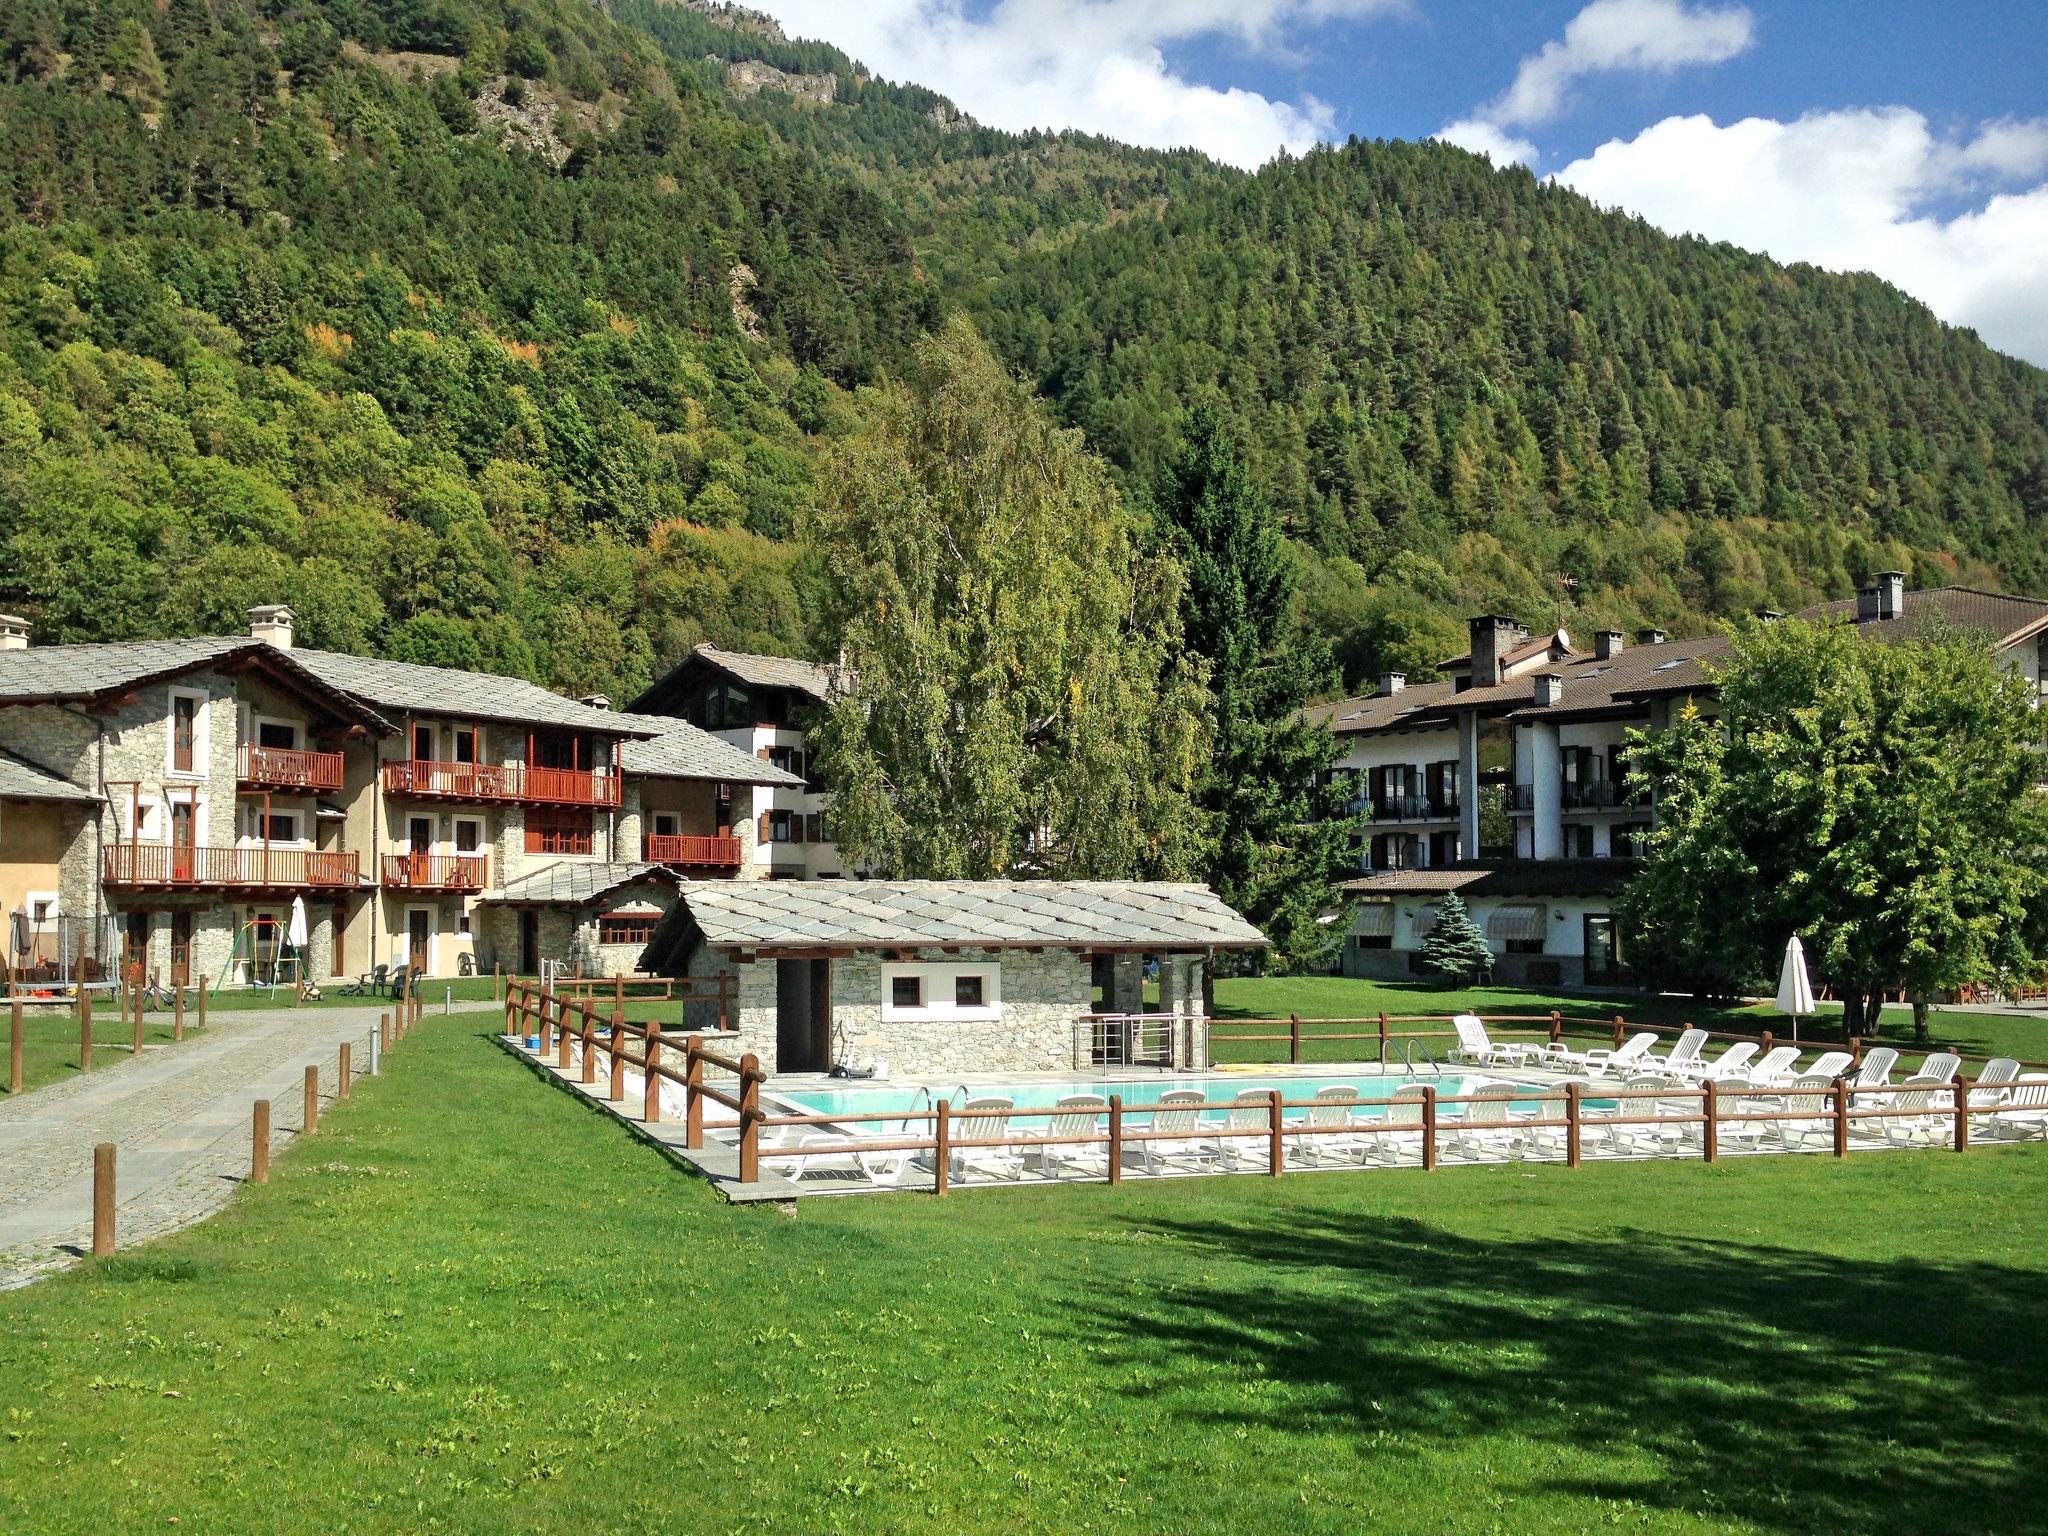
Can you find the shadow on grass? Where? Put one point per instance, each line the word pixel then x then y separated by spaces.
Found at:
pixel 1796 1390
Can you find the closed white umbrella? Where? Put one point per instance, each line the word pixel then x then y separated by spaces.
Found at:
pixel 1795 991
pixel 295 933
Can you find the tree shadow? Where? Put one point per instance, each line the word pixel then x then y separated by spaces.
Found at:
pixel 1798 1390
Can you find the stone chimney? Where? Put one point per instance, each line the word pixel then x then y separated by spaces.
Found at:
pixel 1650 637
pixel 1549 689
pixel 1866 604
pixel 1607 644
pixel 1493 636
pixel 13 633
pixel 272 624
pixel 1392 683
pixel 1891 594
pixel 596 701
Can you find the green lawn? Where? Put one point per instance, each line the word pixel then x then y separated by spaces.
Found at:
pixel 1339 997
pixel 474 1305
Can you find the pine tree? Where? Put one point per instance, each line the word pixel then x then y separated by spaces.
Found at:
pixel 1283 825
pixel 1456 948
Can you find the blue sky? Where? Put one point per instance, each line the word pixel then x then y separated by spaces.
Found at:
pixel 1909 139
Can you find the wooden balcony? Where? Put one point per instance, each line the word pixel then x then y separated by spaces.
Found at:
pixel 276 768
pixel 437 871
pixel 691 852
pixel 500 783
pixel 166 867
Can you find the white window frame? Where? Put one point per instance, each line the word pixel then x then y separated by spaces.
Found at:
pixel 257 722
pixel 201 732
pixel 455 825
pixel 28 905
pixel 254 836
pixel 939 979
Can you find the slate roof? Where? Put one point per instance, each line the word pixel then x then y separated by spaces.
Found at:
pixel 23 780
pixel 405 686
pixel 984 914
pixel 575 883
pixel 809 677
pixel 49 673
pixel 1509 877
pixel 682 751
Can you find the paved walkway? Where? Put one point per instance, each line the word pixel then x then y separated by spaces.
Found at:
pixel 180 1115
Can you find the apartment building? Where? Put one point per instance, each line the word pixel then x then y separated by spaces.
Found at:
pixel 763 705
pixel 1505 781
pixel 170 801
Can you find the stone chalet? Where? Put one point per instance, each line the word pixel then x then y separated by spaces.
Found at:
pixel 946 976
pixel 1506 780
pixel 167 801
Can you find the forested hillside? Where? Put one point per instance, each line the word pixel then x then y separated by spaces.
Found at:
pixel 508 331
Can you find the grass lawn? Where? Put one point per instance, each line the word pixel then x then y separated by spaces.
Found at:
pixel 473 1305
pixel 1342 997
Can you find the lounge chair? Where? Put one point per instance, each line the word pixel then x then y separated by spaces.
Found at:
pixel 1328 1124
pixel 1774 1064
pixel 1638 1099
pixel 1683 1059
pixel 1924 1111
pixel 1482 1130
pixel 1252 1110
pixel 879 1168
pixel 1992 1080
pixel 1808 1112
pixel 1829 1064
pixel 1734 1060
pixel 1476 1048
pixel 2024 1115
pixel 976 1142
pixel 1404 1111
pixel 1941 1065
pixel 1875 1070
pixel 1080 1114
pixel 1176 1123
pixel 1632 1053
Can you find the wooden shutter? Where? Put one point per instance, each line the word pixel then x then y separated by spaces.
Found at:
pixel 814 827
pixel 761 828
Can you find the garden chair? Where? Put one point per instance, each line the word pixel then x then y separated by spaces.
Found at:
pixel 370 983
pixel 1942 1065
pixel 1176 1124
pixel 1250 1111
pixel 1730 1062
pixel 1404 1111
pixel 1992 1081
pixel 1476 1047
pixel 1875 1071
pixel 1774 1064
pixel 1808 1112
pixel 2025 1112
pixel 1631 1053
pixel 401 980
pixel 1481 1130
pixel 1329 1123
pixel 1080 1114
pixel 1684 1057
pixel 978 1142
pixel 1829 1064
pixel 1923 1111
pixel 884 1169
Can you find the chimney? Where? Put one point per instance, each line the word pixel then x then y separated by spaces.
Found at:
pixel 1650 637
pixel 1607 644
pixel 1392 683
pixel 1549 689
pixel 272 624
pixel 1891 594
pixel 1492 636
pixel 13 633
pixel 1866 604
pixel 596 701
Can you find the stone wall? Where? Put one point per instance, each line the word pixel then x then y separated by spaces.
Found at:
pixel 1042 996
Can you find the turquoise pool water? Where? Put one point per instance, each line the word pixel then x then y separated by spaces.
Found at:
pixel 1043 1093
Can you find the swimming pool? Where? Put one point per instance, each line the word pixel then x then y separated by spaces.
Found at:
pixel 1044 1093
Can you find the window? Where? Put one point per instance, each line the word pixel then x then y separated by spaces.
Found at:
pixel 465 744
pixel 558 831
pixel 785 827
pixel 666 824
pixel 788 759
pixel 1628 840
pixel 1578 841
pixel 1603 950
pixel 281 827
pixel 1443 849
pixel 626 927
pixel 1524 946
pixel 942 991
pixel 186 745
pixel 469 834
pixel 423 743
pixel 814 827
pixel 279 734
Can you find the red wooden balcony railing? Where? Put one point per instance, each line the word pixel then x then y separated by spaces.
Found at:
pixel 314 773
pixel 434 780
pixel 171 866
pixel 705 852
pixel 437 871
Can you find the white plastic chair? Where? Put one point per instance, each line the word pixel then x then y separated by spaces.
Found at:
pixel 1683 1059
pixel 1482 1130
pixel 1080 1114
pixel 976 1142
pixel 1404 1112
pixel 1250 1111
pixel 1177 1123
pixel 1774 1064
pixel 1731 1061
pixel 1632 1053
pixel 1331 1118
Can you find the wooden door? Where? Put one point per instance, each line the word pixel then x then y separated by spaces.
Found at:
pixel 419 937
pixel 184 839
pixel 529 942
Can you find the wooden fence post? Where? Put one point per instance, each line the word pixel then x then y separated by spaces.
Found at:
pixel 511 1019
pixel 202 1002
pixel 177 1013
pixel 136 1048
pixel 562 1035
pixel 1556 1026
pixel 1428 1125
pixel 312 1100
pixel 1571 1123
pixel 589 1048
pixel 103 1199
pixel 618 1090
pixel 1116 1138
pixel 750 1118
pixel 14 1047
pixel 1856 1050
pixel 497 981
pixel 650 1106
pixel 942 1147
pixel 384 1033
pixel 1276 1149
pixel 1710 1130
pixel 1766 1046
pixel 259 1144
pixel 1619 1027
pixel 1383 1037
pixel 693 1097
pixel 85 1040
pixel 341 1070
pixel 1962 1098
pixel 1841 1117
pixel 1294 1038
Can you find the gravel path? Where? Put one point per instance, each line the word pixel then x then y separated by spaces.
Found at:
pixel 180 1115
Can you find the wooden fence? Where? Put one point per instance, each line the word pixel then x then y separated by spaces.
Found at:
pixel 1698 1118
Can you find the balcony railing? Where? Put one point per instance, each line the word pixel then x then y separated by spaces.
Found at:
pixel 311 773
pixel 700 852
pixel 168 866
pixel 1593 795
pixel 437 871
pixel 500 782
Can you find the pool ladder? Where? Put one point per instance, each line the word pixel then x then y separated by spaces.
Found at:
pixel 1409 1047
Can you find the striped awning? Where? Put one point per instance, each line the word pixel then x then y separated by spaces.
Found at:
pixel 1425 921
pixel 1515 922
pixel 1375 920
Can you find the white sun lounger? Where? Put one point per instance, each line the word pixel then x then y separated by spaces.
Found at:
pixel 1335 1110
pixel 1731 1061
pixel 2025 1113
pixel 1683 1060
pixel 1996 1075
pixel 1927 1115
pixel 1482 1130
pixel 1476 1048
pixel 1630 1054
pixel 973 1142
pixel 1829 1064
pixel 1178 1123
pixel 1252 1110
pixel 1080 1114
pixel 1775 1064
pixel 1808 1112
pixel 1404 1110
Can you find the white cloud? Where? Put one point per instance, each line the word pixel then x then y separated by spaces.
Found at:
pixel 1095 65
pixel 1484 138
pixel 1612 35
pixel 1852 191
